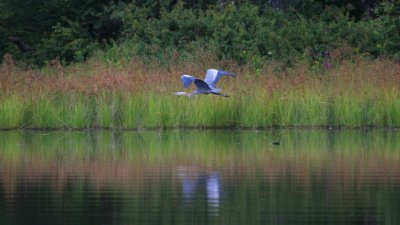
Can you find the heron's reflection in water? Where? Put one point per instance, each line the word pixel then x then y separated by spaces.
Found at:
pixel 213 193
pixel 194 182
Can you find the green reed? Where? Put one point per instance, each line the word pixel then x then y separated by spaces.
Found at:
pixel 11 112
pixel 134 97
pixel 112 110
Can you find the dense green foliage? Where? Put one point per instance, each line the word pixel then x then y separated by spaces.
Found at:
pixel 245 31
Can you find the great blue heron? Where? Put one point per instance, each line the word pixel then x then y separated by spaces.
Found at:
pixel 208 86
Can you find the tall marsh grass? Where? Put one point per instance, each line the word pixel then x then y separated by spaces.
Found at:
pixel 138 96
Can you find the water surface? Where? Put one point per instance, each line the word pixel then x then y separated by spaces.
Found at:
pixel 200 177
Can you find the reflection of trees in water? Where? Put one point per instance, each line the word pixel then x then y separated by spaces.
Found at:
pixel 39 203
pixel 334 170
pixel 280 187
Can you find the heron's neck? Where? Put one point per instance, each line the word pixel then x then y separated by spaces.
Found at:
pixel 182 93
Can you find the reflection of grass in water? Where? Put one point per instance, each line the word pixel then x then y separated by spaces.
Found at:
pixel 215 145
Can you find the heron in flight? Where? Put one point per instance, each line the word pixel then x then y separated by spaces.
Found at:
pixel 206 86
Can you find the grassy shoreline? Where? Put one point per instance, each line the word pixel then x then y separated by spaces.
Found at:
pixel 357 94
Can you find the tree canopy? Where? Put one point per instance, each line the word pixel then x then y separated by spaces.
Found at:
pixel 34 31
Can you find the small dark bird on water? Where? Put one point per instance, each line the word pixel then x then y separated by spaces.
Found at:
pixel 276 143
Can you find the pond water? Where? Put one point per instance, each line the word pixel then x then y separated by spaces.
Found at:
pixel 200 177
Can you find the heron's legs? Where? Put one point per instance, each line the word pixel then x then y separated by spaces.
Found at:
pixel 219 94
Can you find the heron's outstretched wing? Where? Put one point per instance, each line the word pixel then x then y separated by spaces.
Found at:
pixel 213 76
pixel 201 86
pixel 187 80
